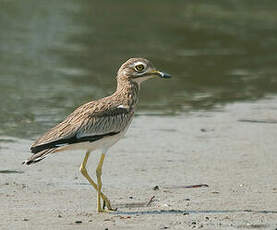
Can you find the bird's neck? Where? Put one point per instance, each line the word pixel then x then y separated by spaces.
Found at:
pixel 128 91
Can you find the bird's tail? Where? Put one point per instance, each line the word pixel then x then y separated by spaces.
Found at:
pixel 38 156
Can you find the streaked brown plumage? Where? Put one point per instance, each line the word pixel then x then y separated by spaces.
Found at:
pixel 101 123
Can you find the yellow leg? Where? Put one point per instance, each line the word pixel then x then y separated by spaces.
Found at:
pixel 83 170
pixel 99 181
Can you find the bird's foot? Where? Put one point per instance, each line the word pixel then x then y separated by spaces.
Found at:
pixel 106 203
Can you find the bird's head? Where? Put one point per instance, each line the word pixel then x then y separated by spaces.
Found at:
pixel 138 70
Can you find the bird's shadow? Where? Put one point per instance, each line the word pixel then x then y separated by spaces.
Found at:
pixel 187 212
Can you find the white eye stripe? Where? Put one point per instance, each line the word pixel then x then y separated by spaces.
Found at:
pixel 139 63
pixel 140 67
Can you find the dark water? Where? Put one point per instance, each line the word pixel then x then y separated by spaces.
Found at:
pixel 56 55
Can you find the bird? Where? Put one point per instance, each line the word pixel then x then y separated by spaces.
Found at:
pixel 98 124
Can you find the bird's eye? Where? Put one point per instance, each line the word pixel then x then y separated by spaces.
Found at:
pixel 139 67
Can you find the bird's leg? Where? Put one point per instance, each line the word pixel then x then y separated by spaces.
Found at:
pixel 99 181
pixel 83 170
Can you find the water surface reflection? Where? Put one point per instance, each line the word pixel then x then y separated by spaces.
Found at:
pixel 57 55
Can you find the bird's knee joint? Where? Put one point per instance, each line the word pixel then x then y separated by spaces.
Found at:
pixel 83 170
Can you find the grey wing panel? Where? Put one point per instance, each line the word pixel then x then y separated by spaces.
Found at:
pixel 114 120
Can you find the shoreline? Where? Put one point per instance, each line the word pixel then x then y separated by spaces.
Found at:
pixel 233 152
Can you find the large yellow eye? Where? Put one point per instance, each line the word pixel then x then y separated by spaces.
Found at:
pixel 139 67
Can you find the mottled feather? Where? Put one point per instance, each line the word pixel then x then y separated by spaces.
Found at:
pixel 95 119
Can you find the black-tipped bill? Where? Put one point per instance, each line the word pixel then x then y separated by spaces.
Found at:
pixel 161 74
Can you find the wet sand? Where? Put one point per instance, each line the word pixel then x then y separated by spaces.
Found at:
pixel 232 150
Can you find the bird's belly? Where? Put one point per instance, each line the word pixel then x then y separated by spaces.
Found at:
pixel 103 143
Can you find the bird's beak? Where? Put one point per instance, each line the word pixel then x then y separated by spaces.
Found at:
pixel 161 74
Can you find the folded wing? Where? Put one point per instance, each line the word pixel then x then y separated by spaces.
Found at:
pixel 86 124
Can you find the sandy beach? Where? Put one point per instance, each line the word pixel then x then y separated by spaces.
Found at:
pixel 231 151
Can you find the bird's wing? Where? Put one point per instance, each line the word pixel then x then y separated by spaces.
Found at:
pixel 89 122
